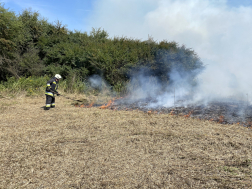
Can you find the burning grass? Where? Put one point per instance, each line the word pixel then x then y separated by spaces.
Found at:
pixel 70 147
pixel 107 105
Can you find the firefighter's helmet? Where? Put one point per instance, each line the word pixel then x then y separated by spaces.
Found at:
pixel 58 76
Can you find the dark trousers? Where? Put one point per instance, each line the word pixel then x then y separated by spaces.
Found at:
pixel 50 101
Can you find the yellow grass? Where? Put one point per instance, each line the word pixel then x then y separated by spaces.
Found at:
pixel 69 147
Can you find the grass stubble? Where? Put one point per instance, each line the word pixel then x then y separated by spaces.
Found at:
pixel 69 147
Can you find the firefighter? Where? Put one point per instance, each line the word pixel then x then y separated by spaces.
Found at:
pixel 51 91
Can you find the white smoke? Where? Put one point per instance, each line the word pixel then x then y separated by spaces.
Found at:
pixel 219 33
pixel 96 82
pixel 145 86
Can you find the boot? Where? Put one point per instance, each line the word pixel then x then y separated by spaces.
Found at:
pixel 53 106
pixel 47 108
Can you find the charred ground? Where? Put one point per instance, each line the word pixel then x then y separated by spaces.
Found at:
pixel 71 147
pixel 224 112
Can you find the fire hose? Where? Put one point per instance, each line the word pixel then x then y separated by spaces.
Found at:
pixel 70 98
pixel 65 96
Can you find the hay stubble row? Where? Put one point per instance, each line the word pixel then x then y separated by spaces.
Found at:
pixel 71 147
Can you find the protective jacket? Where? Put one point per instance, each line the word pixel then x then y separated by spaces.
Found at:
pixel 52 86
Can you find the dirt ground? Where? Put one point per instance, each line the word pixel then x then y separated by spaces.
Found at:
pixel 70 147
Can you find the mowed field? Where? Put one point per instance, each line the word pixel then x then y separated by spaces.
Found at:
pixel 70 147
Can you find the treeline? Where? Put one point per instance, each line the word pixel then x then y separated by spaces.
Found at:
pixel 31 46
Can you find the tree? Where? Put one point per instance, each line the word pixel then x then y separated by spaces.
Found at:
pixel 10 34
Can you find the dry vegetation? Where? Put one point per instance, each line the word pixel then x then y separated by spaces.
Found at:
pixel 71 147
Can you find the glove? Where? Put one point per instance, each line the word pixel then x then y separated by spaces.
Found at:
pixel 58 94
pixel 48 88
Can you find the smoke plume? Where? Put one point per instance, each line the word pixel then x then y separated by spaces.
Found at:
pixel 219 33
pixel 96 82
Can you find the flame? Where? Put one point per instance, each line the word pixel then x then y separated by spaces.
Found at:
pixel 90 105
pixel 188 115
pixel 172 112
pixel 221 119
pixel 106 106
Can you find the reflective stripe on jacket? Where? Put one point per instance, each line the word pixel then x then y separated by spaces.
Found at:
pixel 52 86
pixel 49 93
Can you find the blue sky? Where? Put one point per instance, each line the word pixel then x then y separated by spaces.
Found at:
pixel 240 2
pixel 73 13
pixel 76 13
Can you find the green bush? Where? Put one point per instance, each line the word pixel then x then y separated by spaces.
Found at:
pixel 74 83
pixel 31 46
pixel 32 85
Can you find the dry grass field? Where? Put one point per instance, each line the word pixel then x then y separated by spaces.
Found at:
pixel 69 147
